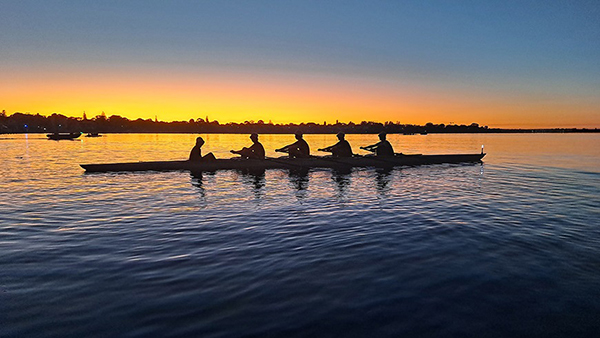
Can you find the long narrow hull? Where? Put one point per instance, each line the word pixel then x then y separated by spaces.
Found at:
pixel 285 163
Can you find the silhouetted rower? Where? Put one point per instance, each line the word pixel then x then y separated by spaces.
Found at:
pixel 256 150
pixel 340 149
pixel 196 153
pixel 381 148
pixel 298 149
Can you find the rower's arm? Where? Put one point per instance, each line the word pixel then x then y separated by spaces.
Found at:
pixel 288 147
pixel 328 149
pixel 284 149
pixel 371 147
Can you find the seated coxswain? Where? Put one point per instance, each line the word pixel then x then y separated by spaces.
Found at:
pixel 383 148
pixel 196 153
pixel 340 149
pixel 256 150
pixel 298 149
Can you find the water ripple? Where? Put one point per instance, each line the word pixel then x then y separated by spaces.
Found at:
pixel 507 248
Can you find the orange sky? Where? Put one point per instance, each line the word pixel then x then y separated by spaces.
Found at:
pixel 281 98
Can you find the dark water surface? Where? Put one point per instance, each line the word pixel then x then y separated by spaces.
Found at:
pixel 510 248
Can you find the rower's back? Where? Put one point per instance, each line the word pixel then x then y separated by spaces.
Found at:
pixel 384 147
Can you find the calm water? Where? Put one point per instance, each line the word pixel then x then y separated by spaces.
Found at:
pixel 510 248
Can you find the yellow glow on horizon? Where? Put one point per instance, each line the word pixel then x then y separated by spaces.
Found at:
pixel 238 98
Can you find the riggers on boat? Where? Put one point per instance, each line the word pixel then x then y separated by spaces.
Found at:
pixel 285 163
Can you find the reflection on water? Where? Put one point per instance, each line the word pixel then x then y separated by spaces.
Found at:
pixel 412 252
pixel 198 183
pixel 299 180
pixel 382 178
pixel 341 177
pixel 256 178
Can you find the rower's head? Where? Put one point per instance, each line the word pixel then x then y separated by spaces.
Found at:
pixel 254 137
pixel 340 136
pixel 199 141
pixel 382 136
pixel 298 135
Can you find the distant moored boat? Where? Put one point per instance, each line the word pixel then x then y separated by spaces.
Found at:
pixel 63 136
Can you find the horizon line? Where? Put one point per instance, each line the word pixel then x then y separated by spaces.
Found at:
pixel 516 126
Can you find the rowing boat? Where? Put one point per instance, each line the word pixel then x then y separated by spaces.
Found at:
pixel 285 163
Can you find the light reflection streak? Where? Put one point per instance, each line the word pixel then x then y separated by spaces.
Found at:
pixel 27 146
pixel 577 151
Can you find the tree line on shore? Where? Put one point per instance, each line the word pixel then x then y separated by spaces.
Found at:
pixel 58 123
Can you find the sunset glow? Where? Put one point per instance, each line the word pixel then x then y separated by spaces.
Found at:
pixel 246 71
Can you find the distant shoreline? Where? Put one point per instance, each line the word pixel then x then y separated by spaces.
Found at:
pixel 495 131
pixel 19 123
